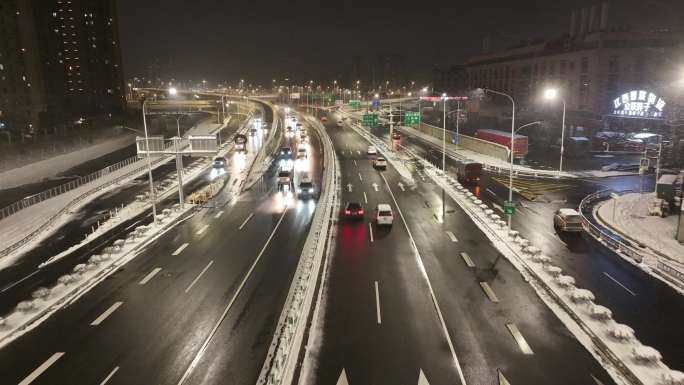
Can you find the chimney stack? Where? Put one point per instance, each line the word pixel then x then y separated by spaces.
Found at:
pixel 573 23
pixel 604 16
pixel 583 21
pixel 592 19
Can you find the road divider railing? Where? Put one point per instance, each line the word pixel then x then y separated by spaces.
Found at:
pixel 46 300
pixel 262 162
pixel 286 348
pixel 612 343
pixel 668 271
pixel 89 194
pixel 68 288
pixel 453 154
pixel 63 188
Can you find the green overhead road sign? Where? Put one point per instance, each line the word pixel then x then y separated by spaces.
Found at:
pixel 355 104
pixel 370 120
pixel 411 118
pixel 509 208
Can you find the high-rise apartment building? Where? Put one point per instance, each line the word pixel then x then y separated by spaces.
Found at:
pixel 59 60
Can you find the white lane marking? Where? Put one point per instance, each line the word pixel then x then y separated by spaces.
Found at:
pixel 401 186
pixel 370 231
pixel 106 314
pixel 199 275
pixel 43 367
pixel 246 220
pixel 377 303
pixel 204 346
pixel 218 214
pixel 518 337
pixel 342 380
pixel 202 230
pixel 18 282
pixel 358 151
pixel 497 207
pixel 490 192
pixel 180 249
pixel 422 380
pixel 150 275
pixel 596 380
pixel 365 198
pixel 375 186
pixel 466 258
pixel 621 285
pixel 502 380
pixel 133 225
pixel 489 291
pixel 360 177
pixel 355 163
pixel 419 260
pixel 109 377
pixel 451 236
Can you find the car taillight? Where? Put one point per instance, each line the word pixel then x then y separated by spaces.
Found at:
pixel 361 212
pixel 347 212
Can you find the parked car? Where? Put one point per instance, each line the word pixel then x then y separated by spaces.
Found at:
pixel 568 220
pixel 384 215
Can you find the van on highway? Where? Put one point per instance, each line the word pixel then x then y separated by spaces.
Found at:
pixel 384 215
pixel 568 220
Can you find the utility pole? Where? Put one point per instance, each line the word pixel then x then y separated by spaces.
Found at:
pixel 391 125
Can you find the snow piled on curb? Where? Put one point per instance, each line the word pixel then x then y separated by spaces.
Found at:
pixel 623 356
pixel 47 300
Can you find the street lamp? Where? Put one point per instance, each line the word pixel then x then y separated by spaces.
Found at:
pixel 173 91
pixel 510 172
pixel 552 94
pixel 153 197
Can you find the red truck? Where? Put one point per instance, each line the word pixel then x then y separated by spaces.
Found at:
pixel 468 171
pixel 504 138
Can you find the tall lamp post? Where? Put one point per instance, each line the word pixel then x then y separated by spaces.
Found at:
pixel 179 158
pixel 552 94
pixel 510 171
pixel 153 197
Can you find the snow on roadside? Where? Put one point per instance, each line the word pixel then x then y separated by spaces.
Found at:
pixel 632 219
pixel 623 356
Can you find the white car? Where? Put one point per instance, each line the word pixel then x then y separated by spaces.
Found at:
pixel 372 150
pixel 384 215
pixel 380 163
pixel 340 123
pixel 301 153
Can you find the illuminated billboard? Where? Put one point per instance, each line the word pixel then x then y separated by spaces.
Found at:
pixel 639 104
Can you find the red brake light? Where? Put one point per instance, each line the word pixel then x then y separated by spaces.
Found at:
pixel 360 211
pixel 347 211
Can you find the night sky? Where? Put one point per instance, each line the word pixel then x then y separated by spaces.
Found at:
pixel 258 41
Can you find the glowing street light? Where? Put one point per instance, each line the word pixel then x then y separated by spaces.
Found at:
pixel 173 91
pixel 552 94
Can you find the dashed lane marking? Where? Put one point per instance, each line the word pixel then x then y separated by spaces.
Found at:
pixel 180 249
pixel 489 292
pixel 199 276
pixel 151 275
pixel 466 258
pixel 245 221
pixel 106 314
pixel 519 339
pixel 42 368
pixel 109 377
pixel 451 236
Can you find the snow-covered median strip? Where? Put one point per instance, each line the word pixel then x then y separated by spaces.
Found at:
pixel 623 356
pixel 46 300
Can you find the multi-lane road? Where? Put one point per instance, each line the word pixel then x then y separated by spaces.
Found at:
pixel 651 307
pixel 199 305
pixel 429 298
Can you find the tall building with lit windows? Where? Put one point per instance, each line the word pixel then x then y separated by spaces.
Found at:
pixel 60 60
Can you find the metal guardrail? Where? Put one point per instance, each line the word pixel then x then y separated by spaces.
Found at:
pixel 663 268
pixel 281 361
pixel 61 189
pixel 75 201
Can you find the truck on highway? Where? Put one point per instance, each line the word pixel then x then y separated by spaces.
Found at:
pixel 567 220
pixel 468 171
pixel 240 143
pixel 504 138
